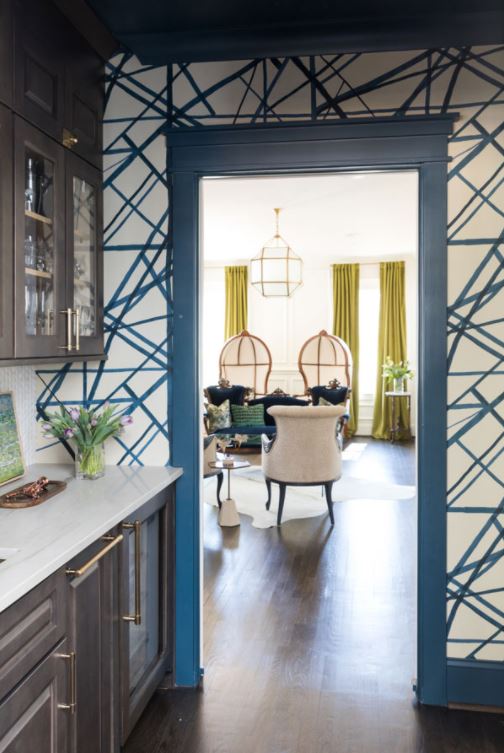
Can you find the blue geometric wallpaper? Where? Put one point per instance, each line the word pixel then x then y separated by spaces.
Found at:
pixel 143 101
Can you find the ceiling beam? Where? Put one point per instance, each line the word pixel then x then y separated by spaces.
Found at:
pixel 356 35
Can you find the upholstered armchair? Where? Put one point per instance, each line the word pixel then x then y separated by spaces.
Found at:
pixel 305 451
pixel 209 456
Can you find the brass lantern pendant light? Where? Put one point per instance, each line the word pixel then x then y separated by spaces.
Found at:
pixel 276 270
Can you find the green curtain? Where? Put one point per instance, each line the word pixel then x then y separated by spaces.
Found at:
pixel 391 342
pixel 236 301
pixel 346 325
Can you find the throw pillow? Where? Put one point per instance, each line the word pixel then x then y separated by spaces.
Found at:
pixel 248 415
pixel 334 396
pixel 219 416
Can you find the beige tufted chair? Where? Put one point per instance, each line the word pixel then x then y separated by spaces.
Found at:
pixel 304 452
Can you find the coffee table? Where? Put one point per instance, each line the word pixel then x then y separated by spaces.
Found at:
pixel 228 514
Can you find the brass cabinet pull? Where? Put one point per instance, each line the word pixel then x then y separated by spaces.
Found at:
pixel 69 139
pixel 137 617
pixel 76 315
pixel 70 706
pixel 68 314
pixel 113 541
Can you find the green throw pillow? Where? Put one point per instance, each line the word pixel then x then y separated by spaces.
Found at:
pixel 219 416
pixel 248 415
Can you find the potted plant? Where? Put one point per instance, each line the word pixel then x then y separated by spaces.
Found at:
pixel 397 373
pixel 87 430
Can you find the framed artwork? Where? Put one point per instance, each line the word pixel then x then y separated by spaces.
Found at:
pixel 11 455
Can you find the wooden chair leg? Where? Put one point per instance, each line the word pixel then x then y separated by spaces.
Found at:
pixel 328 493
pixel 281 500
pixel 268 487
pixel 220 480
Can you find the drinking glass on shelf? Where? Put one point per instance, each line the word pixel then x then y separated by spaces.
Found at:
pixel 30 307
pixel 29 252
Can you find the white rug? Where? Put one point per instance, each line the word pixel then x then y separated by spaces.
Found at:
pixel 249 491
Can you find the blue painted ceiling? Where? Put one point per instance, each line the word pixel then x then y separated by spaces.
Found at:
pixel 199 30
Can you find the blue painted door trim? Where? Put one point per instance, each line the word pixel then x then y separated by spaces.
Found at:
pixel 419 143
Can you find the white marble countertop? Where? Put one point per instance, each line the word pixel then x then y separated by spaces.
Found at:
pixel 48 535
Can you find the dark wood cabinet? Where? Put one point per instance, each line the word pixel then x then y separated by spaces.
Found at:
pixel 92 619
pixel 39 76
pixel 6 52
pixel 34 718
pixel 84 101
pixel 51 228
pixel 58 306
pixel 6 237
pixel 58 78
pixel 82 653
pixel 146 607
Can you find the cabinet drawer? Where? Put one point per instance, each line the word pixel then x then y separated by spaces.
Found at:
pixel 35 717
pixel 30 628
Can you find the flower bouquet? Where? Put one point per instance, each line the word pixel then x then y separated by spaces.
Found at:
pixel 397 373
pixel 87 430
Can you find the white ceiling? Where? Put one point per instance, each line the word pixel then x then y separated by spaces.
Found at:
pixel 324 218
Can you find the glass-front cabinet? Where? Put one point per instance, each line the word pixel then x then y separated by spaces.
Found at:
pixel 84 255
pixel 40 249
pixel 58 298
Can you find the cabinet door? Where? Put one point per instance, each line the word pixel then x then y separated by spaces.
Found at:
pixel 39 70
pixel 41 323
pixel 6 52
pixel 146 607
pixel 84 234
pixel 6 236
pixel 34 718
pixel 84 100
pixel 92 604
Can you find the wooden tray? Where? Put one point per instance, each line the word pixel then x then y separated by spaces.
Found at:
pixel 23 500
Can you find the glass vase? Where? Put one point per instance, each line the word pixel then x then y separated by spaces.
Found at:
pixel 90 462
pixel 398 385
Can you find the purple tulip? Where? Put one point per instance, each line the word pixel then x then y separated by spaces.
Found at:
pixel 125 420
pixel 68 433
pixel 74 414
pixel 94 421
pixel 46 427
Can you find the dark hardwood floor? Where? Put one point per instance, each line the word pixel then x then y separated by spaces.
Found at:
pixel 309 638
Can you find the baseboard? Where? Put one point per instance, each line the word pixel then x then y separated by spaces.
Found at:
pixel 475 683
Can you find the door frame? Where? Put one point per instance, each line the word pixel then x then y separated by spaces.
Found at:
pixel 419 143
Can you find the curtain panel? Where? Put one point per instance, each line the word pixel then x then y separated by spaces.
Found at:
pixel 346 325
pixel 236 279
pixel 391 342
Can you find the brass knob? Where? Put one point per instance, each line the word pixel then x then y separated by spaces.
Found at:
pixel 69 139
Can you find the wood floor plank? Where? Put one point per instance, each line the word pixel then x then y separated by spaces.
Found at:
pixel 309 640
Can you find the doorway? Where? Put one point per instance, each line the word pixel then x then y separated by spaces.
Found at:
pixel 419 144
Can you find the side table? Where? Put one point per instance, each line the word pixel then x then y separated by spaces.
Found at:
pixel 394 428
pixel 228 514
